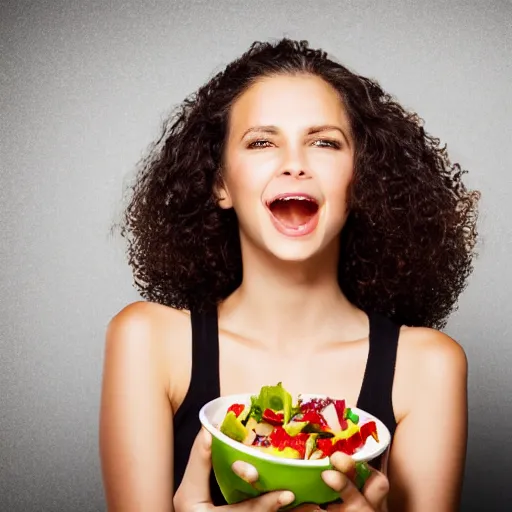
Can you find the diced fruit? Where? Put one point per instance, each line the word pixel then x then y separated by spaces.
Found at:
pixel 317 454
pixel 349 431
pixel 315 418
pixel 369 429
pixel 272 417
pixel 349 445
pixel 237 409
pixel 310 446
pixel 251 424
pixel 281 439
pixel 249 438
pixel 331 417
pixel 233 428
pixel 287 452
pixel 263 429
pixel 339 405
pixel 294 427
pixel 315 404
pixel 326 446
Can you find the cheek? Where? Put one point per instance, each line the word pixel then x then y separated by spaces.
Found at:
pixel 245 182
pixel 340 183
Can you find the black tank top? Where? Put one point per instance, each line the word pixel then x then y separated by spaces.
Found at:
pixel 374 397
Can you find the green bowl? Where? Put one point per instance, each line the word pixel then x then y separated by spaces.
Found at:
pixel 302 477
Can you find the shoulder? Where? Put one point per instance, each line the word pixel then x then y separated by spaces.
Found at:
pixel 433 350
pixel 142 318
pixel 429 364
pixel 153 335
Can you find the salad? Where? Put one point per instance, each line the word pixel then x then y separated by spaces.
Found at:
pixel 310 429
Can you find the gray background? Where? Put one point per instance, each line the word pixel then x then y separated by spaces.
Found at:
pixel 84 87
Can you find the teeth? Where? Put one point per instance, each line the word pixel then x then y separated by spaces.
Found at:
pixel 296 198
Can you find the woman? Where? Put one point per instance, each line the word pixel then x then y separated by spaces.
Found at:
pixel 293 224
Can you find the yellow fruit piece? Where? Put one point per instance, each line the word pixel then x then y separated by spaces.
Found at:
pixel 345 434
pixel 287 453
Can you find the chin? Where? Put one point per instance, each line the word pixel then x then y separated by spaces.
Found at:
pixel 317 244
pixel 295 250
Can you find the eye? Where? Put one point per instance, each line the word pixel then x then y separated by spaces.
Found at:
pixel 260 143
pixel 327 143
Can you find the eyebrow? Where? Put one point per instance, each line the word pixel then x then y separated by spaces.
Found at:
pixel 310 131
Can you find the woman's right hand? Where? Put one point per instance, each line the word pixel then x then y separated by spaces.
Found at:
pixel 193 494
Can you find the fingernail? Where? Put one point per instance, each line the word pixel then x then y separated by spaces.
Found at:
pixel 342 462
pixel 285 498
pixel 245 471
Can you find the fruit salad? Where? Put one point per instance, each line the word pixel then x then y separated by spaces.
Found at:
pixel 310 429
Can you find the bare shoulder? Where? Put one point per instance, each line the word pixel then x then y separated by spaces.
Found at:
pixel 149 324
pixel 429 362
pixel 433 349
pixel 146 315
pixel 155 334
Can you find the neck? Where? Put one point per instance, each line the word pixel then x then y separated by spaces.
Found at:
pixel 285 304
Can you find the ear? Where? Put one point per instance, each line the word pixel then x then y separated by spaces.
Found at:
pixel 223 196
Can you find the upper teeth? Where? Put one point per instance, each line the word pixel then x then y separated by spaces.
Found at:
pixel 300 198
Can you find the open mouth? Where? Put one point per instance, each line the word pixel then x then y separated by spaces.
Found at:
pixel 294 214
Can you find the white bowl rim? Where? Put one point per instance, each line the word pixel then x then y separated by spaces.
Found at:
pixel 360 456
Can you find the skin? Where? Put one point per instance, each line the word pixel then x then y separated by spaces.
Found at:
pixel 289 318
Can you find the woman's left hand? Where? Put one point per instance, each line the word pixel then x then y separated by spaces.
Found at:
pixel 372 498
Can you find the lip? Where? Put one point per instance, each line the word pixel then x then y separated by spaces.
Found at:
pixel 304 229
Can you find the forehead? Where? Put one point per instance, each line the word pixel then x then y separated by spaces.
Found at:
pixel 287 101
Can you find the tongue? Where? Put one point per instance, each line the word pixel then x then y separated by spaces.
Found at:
pixel 293 213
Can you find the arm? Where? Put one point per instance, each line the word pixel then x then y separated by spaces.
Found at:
pixel 428 453
pixel 136 444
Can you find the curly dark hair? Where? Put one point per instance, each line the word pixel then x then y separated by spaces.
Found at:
pixel 408 243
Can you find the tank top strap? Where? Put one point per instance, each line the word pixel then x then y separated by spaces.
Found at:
pixel 204 379
pixel 376 391
pixel 204 386
pixel 205 354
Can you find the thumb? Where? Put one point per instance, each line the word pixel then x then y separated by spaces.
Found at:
pixel 195 486
pixel 269 502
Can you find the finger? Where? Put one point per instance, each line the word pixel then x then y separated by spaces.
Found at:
pixel 307 507
pixel 195 486
pixel 245 471
pixel 376 489
pixel 352 499
pixel 343 463
pixel 269 502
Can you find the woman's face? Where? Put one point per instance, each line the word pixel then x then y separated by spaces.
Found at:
pixel 288 163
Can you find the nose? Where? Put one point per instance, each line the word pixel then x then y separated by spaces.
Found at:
pixel 295 173
pixel 295 165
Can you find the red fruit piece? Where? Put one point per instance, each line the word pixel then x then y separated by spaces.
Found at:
pixel 349 445
pixel 326 446
pixel 237 409
pixel 315 404
pixel 340 406
pixel 280 439
pixel 369 429
pixel 315 418
pixel 272 417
